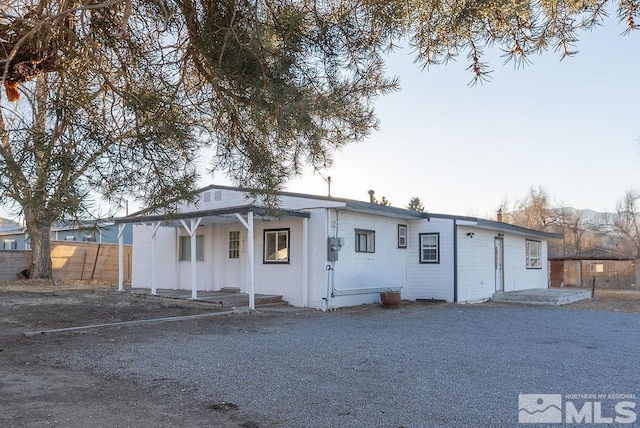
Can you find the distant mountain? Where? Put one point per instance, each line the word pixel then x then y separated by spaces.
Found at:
pixel 590 216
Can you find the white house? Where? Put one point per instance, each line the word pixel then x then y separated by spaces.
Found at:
pixel 325 252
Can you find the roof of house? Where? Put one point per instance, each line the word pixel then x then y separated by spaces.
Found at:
pixel 220 213
pixel 596 253
pixel 61 225
pixel 7 224
pixel 348 204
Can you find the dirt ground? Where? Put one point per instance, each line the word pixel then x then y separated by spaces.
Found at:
pixel 37 394
pixel 611 301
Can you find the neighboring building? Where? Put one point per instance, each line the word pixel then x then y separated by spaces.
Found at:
pixel 101 231
pixel 606 266
pixel 325 252
pixel 8 242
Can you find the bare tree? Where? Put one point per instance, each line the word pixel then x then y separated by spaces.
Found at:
pixel 534 211
pixel 627 220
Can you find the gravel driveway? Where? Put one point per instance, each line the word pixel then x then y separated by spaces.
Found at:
pixel 424 365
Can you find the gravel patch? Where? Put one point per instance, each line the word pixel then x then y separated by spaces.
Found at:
pixel 424 365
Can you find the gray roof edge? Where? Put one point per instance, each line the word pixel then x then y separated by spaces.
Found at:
pixel 507 227
pixel 377 209
pixel 239 209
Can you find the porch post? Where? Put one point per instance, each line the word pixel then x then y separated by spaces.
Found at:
pixel 121 227
pixel 154 259
pixel 305 257
pixel 194 257
pixel 191 230
pixel 250 258
pixel 252 290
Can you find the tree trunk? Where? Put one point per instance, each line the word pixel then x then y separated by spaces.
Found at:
pixel 40 233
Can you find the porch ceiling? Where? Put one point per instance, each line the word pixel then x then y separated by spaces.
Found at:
pixel 214 216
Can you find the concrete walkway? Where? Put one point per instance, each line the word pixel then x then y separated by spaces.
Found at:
pixel 549 296
pixel 225 299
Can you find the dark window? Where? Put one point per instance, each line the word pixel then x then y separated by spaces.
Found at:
pixel 534 249
pixel 184 248
pixel 429 248
pixel 234 244
pixel 276 246
pixel 402 236
pixel 365 241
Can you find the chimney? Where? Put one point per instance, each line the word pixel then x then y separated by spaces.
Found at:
pixel 499 215
pixel 372 198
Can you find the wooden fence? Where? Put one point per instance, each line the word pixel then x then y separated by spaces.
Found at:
pixel 12 262
pixel 73 260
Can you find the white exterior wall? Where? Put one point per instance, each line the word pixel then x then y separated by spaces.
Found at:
pixel 317 272
pixel 274 278
pixel 203 270
pixel 516 275
pixel 166 253
pixel 355 272
pixel 217 198
pixel 476 264
pixel 430 280
pixel 225 198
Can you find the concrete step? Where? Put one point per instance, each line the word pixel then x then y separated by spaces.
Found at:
pixel 549 296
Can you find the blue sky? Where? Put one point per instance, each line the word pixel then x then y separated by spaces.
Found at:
pixel 570 126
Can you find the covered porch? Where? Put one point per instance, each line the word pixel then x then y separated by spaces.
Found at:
pixel 244 217
pixel 224 299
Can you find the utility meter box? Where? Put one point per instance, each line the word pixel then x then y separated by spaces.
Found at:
pixel 333 247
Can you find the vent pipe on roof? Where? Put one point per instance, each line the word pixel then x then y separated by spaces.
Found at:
pixel 372 198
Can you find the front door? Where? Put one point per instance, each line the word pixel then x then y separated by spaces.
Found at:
pixel 499 254
pixel 232 254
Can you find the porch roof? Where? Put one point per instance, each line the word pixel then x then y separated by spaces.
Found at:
pixel 219 215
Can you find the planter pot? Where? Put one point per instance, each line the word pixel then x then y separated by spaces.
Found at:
pixel 390 299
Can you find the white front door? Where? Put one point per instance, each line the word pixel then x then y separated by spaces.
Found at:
pixel 499 255
pixel 233 258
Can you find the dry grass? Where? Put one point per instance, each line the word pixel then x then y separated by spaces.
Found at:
pixel 627 301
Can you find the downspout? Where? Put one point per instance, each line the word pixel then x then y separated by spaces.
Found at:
pixel 455 261
pixel 305 264
pixel 329 268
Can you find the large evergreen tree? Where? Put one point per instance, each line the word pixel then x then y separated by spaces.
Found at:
pixel 119 96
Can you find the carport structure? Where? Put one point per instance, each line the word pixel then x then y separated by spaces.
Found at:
pixel 190 221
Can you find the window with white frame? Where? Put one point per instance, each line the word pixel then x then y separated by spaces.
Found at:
pixel 533 254
pixel 184 248
pixel 234 244
pixel 365 241
pixel 276 246
pixel 429 247
pixel 402 236
pixel 10 244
